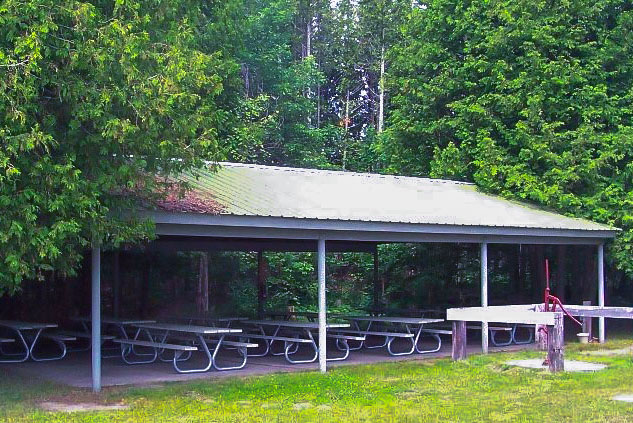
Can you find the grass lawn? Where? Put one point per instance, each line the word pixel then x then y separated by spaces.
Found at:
pixel 481 388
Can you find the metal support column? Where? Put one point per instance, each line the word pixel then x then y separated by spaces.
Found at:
pixel 484 294
pixel 601 328
pixel 96 318
pixel 322 307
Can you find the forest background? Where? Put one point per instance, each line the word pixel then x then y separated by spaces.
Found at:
pixel 530 100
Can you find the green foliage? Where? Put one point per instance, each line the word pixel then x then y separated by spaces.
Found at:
pixel 97 101
pixel 530 100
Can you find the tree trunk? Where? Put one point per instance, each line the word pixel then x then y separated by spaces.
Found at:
pixel 202 294
pixel 261 284
pixel 346 124
pixel 309 37
pixel 381 91
pixel 514 264
pixel 377 286
pixel 537 270
pixel 318 113
pixel 116 285
pixel 145 282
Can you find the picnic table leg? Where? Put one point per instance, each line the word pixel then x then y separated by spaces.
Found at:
pixel 390 340
pixel 345 349
pixel 313 344
pixel 272 340
pixel 369 347
pixel 205 349
pixel 360 343
pixel 60 344
pixel 459 340
pixel 161 351
pixel 138 332
pixel 128 350
pixel 528 340
pixel 493 339
pixel 418 335
pixel 27 351
pixel 263 354
pixel 241 350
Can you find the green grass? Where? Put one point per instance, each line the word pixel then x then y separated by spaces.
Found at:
pixel 481 388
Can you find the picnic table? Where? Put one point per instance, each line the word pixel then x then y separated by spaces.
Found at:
pixel 29 334
pixel 195 338
pixel 301 334
pixel 411 328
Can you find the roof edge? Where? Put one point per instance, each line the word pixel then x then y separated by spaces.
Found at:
pixel 272 222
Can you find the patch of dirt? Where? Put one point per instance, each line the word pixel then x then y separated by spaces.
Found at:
pixel 302 406
pixel 623 351
pixel 270 405
pixel 75 407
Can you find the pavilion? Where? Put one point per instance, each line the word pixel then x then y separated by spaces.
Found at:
pixel 253 207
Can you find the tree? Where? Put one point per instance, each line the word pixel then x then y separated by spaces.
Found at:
pixel 99 103
pixel 528 99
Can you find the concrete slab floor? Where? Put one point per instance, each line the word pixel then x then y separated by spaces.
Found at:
pixel 75 369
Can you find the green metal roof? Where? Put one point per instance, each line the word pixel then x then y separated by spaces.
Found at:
pixel 269 191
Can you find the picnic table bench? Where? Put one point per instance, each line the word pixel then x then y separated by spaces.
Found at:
pixel 412 330
pixel 158 333
pixel 511 330
pixel 29 335
pixel 78 334
pixel 304 336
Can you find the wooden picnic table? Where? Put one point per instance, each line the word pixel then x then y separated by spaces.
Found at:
pixel 304 328
pixel 28 333
pixel 159 333
pixel 412 326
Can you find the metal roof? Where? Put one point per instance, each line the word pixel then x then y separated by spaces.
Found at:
pixel 268 191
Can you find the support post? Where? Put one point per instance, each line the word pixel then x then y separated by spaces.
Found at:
pixel 484 294
pixel 587 323
pixel 459 340
pixel 601 327
pixel 555 351
pixel 322 307
pixel 96 318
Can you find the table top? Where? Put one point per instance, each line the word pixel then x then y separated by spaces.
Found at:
pixel 388 319
pixel 114 320
pixel 292 324
pixel 201 330
pixel 211 319
pixel 17 325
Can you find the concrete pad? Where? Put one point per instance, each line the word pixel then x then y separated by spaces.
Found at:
pixel 570 365
pixel 623 397
pixel 75 369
